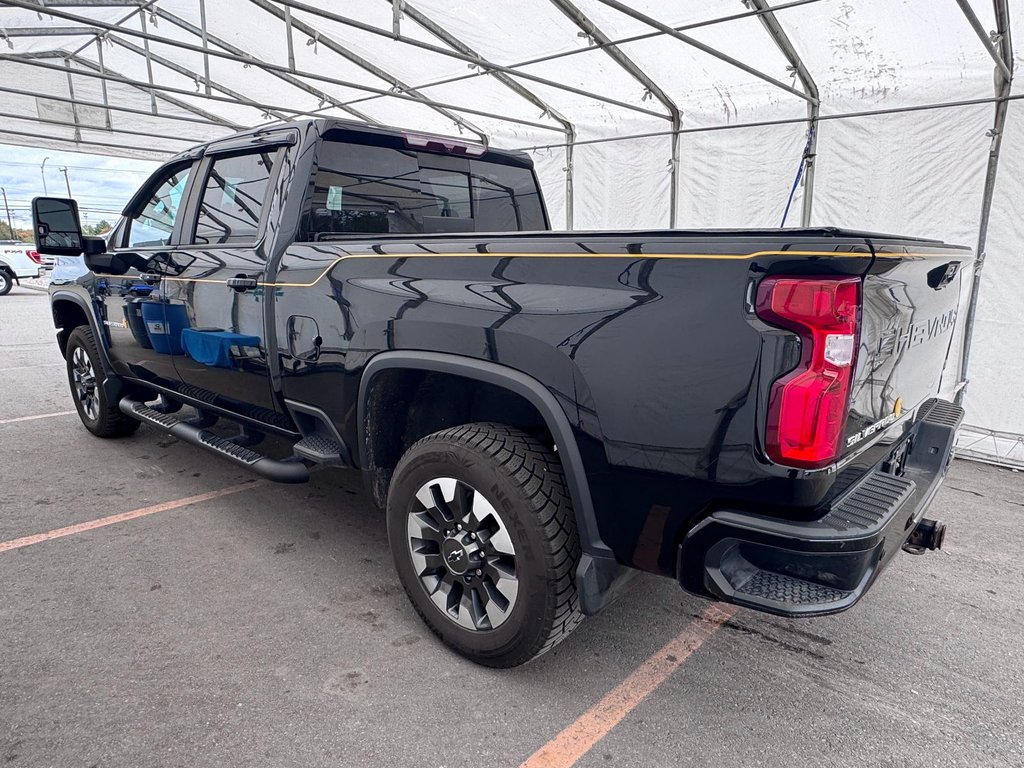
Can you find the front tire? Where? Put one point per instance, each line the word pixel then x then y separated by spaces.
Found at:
pixel 6 282
pixel 98 414
pixel 484 539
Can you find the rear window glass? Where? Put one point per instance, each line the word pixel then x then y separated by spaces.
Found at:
pixel 361 189
pixel 233 198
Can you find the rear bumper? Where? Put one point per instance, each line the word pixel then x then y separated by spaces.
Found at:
pixel 826 565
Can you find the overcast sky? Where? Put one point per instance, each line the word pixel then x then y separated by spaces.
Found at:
pixel 101 185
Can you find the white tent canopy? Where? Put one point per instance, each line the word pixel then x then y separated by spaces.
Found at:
pixel 882 115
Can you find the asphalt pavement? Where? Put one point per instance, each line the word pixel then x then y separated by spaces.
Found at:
pixel 266 627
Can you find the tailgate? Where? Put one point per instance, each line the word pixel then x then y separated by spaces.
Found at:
pixel 907 334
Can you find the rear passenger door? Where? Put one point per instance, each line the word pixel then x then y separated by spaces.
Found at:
pixel 215 307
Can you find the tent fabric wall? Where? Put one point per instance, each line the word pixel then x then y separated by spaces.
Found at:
pixel 995 397
pixel 918 173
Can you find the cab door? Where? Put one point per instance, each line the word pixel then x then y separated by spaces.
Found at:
pixel 216 305
pixel 130 305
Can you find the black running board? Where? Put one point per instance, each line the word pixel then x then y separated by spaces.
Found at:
pixel 273 469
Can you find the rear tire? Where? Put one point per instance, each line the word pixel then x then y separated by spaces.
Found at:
pixel 6 282
pixel 484 539
pixel 98 414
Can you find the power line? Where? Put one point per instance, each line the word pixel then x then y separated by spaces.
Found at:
pixel 79 167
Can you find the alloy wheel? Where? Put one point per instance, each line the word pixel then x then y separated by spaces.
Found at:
pixel 85 383
pixel 462 554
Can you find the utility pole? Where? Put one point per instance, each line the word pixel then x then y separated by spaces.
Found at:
pixel 10 225
pixel 42 171
pixel 64 170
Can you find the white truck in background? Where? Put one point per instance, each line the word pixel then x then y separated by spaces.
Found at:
pixel 19 261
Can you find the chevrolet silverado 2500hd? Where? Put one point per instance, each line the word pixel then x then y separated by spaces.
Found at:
pixel 752 413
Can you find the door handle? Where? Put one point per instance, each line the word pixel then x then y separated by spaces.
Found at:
pixel 241 282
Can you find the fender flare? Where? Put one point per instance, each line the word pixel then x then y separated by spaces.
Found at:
pixel 112 385
pixel 598 571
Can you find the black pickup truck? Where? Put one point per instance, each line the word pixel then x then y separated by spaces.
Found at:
pixel 541 414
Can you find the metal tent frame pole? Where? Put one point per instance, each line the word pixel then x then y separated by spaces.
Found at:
pixel 485 66
pixel 591 30
pixel 785 45
pixel 106 74
pixel 73 143
pixel 293 81
pixel 593 46
pixel 33 60
pixel 671 32
pixel 785 121
pixel 137 4
pixel 265 66
pixel 51 32
pixel 112 75
pixel 368 66
pixel 164 90
pixel 188 142
pixel 204 36
pixel 1003 84
pixel 516 87
pixel 152 58
pixel 114 108
pixel 1005 67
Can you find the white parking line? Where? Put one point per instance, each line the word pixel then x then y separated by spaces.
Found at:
pixel 40 416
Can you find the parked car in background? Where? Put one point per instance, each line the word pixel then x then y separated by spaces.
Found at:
pixel 19 261
pixel 30 251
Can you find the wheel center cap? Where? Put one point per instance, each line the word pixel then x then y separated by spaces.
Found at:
pixel 455 556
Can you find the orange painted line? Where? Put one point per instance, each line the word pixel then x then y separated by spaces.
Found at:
pixel 593 725
pixel 40 416
pixel 71 530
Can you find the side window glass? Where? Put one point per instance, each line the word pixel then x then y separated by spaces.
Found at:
pixel 154 225
pixel 505 198
pixel 363 189
pixel 233 198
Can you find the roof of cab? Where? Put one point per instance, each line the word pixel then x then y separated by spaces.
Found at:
pixel 325 124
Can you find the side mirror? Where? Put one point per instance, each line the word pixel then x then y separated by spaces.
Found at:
pixel 57 228
pixel 102 263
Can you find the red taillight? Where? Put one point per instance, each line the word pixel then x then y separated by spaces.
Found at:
pixel 34 255
pixel 808 406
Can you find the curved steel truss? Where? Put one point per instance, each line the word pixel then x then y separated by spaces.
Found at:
pixel 170 90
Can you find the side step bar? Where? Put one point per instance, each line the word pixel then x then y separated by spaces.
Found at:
pixel 272 469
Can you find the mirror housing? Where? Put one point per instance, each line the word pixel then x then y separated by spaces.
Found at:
pixel 102 263
pixel 93 246
pixel 56 226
